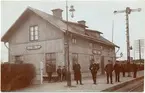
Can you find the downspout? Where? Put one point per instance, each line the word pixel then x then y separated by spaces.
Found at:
pixel 8 51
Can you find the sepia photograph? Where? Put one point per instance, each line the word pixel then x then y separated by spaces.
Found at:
pixel 72 45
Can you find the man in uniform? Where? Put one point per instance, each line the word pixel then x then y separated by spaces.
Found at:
pixel 109 69
pixel 134 66
pixel 59 73
pixel 49 70
pixel 64 71
pixel 77 72
pixel 123 69
pixel 94 68
pixel 117 69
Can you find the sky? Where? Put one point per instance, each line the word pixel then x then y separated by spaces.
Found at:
pixel 97 14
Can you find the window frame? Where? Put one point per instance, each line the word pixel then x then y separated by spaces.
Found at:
pixel 74 40
pixel 34 33
pixel 51 59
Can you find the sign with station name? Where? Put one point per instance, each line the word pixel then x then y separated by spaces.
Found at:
pixel 33 47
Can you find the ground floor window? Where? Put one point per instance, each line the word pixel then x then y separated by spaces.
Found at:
pixel 91 58
pixel 19 59
pixel 74 58
pixel 51 57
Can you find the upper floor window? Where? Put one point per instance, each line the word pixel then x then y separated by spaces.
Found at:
pixel 33 32
pixel 90 45
pixel 74 41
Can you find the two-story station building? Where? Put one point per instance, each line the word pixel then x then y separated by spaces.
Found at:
pixel 40 37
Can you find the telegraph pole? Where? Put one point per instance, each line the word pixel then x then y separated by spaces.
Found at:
pixel 67 59
pixel 139 51
pixel 128 11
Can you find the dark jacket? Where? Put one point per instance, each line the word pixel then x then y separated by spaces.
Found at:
pixel 64 71
pixel 76 68
pixel 134 67
pixel 117 68
pixel 94 68
pixel 109 68
pixel 49 68
pixel 59 71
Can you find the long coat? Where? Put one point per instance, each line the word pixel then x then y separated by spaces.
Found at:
pixel 77 71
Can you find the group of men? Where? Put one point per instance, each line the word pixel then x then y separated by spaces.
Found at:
pixel 61 72
pixel 94 67
pixel 117 68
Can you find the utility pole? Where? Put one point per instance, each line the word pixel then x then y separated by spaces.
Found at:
pixel 67 45
pixel 139 51
pixel 128 11
pixel 112 30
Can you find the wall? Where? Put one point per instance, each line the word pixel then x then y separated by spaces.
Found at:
pixel 84 51
pixel 51 39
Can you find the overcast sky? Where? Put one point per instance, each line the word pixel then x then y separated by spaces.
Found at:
pixel 97 14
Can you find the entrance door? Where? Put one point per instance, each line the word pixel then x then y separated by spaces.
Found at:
pixel 51 57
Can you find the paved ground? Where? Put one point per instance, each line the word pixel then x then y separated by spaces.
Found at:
pixel 87 87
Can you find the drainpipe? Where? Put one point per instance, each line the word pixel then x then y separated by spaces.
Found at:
pixel 8 50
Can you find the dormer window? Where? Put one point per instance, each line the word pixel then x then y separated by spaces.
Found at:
pixel 33 33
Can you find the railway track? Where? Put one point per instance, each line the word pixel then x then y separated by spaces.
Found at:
pixel 136 87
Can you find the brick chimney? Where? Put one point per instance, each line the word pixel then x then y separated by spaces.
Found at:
pixel 82 22
pixel 57 13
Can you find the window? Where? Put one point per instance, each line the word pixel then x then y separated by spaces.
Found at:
pixel 74 41
pixel 33 33
pixel 90 45
pixel 74 57
pixel 51 57
pixel 19 59
pixel 91 58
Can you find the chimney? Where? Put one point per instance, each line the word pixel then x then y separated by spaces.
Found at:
pixel 82 22
pixel 57 13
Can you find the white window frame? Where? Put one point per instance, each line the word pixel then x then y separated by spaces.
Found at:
pixel 33 33
pixel 74 41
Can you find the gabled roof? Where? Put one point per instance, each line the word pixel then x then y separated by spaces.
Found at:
pixel 59 23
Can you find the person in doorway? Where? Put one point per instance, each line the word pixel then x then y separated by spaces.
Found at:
pixel 49 70
pixel 117 69
pixel 64 72
pixel 77 72
pixel 109 69
pixel 94 67
pixel 134 66
pixel 59 73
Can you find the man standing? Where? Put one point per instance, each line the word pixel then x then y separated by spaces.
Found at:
pixel 134 66
pixel 64 71
pixel 117 71
pixel 59 73
pixel 109 70
pixel 94 68
pixel 123 69
pixel 77 72
pixel 49 70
